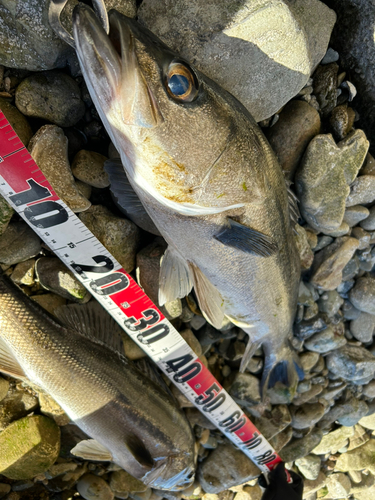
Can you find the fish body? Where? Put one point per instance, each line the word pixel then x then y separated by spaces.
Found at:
pixel 208 179
pixel 103 393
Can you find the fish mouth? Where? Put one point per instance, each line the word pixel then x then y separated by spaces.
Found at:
pixel 110 66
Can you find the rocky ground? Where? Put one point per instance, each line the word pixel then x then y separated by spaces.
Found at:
pixel 326 434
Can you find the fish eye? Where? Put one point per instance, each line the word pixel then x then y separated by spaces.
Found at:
pixel 181 82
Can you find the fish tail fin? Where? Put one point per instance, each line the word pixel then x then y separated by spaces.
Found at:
pixel 281 374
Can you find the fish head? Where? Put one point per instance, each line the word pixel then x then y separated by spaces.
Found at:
pixel 170 123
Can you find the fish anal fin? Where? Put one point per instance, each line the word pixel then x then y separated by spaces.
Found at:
pixel 90 449
pixel 93 322
pixel 209 299
pixel 248 240
pixel 175 281
pixel 8 363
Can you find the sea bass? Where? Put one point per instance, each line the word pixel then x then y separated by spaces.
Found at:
pixel 134 422
pixel 207 177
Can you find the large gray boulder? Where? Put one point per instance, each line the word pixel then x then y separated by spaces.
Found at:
pixel 262 51
pixel 353 37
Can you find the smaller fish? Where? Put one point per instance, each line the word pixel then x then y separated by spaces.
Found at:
pixel 134 422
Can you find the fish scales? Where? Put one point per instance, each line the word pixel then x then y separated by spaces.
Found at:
pixel 209 181
pixel 102 392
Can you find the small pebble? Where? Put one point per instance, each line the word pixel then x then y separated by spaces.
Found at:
pixel 88 167
pixel 92 487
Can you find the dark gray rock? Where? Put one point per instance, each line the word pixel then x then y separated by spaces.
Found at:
pixel 18 243
pixel 263 53
pixel 351 362
pixel 225 467
pixel 323 178
pixel 51 95
pixel 299 448
pixel 362 296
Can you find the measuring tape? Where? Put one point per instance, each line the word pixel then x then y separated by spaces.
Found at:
pixel 27 190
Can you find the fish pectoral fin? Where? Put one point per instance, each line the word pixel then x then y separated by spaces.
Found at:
pixel 93 322
pixel 8 363
pixel 210 301
pixel 175 280
pixel 126 197
pixel 92 450
pixel 247 240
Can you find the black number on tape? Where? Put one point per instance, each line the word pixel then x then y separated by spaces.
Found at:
pixel 105 266
pixel 161 331
pixel 265 458
pixel 255 441
pixel 175 364
pixel 112 283
pixel 46 214
pixel 187 373
pixel 150 317
pixel 234 422
pixel 35 193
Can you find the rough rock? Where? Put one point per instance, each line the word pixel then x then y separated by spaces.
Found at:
pixel 363 327
pixel 25 34
pixel 358 459
pixel 356 214
pixel 225 467
pixel 18 243
pixel 57 278
pixel 51 95
pixel 330 262
pixel 17 403
pixel 274 421
pixel 248 48
pixel 6 212
pixel 311 487
pixel 305 253
pixel 18 122
pixel 120 236
pixel 309 466
pixel 334 441
pixel 323 178
pixel 49 301
pixel 23 273
pixel 4 386
pixel 359 438
pixel 122 483
pixel 325 341
pixel 338 485
pixel 28 447
pixel 362 295
pixel 299 448
pixel 361 191
pixel 369 223
pixel 341 121
pixel 297 125
pixel 351 362
pixel 245 389
pixel 353 37
pixel 92 487
pixel 49 148
pixel 88 167
pixel 306 415
pixel 369 390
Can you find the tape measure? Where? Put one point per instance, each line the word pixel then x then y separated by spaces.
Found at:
pixel 27 190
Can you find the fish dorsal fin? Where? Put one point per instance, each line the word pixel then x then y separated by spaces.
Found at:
pixel 209 299
pixel 93 322
pixel 175 280
pixel 247 240
pixel 125 196
pixel 147 367
pixel 293 204
pixel 92 450
pixel 8 363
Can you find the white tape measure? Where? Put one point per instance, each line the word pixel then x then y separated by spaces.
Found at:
pixel 26 189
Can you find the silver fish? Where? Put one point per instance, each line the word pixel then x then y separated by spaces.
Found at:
pixel 208 179
pixel 133 421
